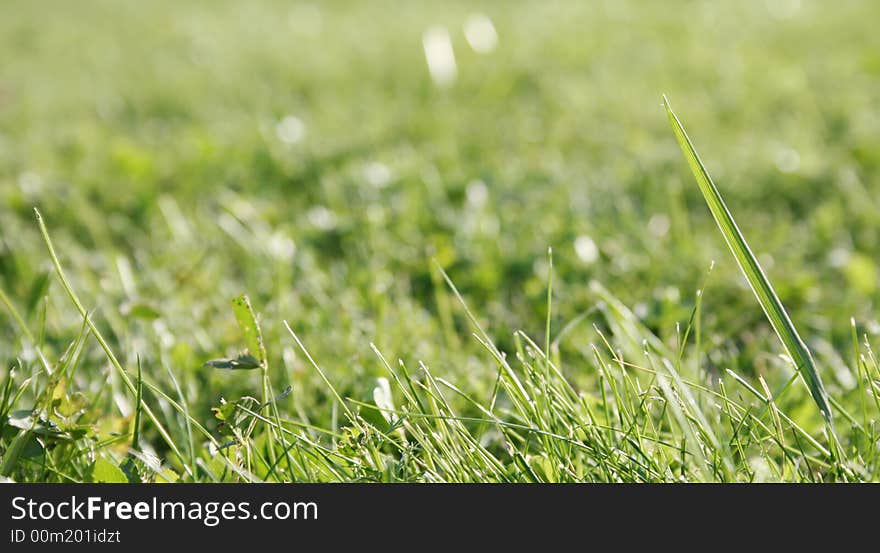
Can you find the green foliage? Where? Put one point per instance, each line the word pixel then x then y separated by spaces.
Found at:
pixel 314 163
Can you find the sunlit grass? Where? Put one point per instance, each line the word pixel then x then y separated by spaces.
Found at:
pixel 748 263
pixel 306 254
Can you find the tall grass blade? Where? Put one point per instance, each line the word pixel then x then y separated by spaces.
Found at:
pixel 760 284
pixel 114 361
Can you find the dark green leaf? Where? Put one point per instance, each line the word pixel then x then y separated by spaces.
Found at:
pixel 242 362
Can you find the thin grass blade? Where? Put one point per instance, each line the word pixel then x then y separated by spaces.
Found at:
pixel 760 284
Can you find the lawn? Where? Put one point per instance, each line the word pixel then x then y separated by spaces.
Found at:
pixel 435 242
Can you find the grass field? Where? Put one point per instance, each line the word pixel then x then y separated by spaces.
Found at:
pixel 388 210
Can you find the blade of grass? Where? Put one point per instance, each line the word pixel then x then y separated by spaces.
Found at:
pixel 184 411
pixel 4 299
pixel 320 372
pixel 549 304
pixel 253 336
pixel 135 434
pixel 59 270
pixel 748 263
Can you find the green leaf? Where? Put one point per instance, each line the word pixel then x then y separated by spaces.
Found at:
pixel 32 448
pixel 131 471
pixel 250 328
pixel 22 419
pixel 237 414
pixel 242 362
pixel 224 411
pixel 760 284
pixel 105 471
pixel 13 452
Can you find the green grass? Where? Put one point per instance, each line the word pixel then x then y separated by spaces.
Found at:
pixel 798 352
pixel 268 247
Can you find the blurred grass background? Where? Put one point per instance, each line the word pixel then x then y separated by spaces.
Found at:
pixel 185 152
